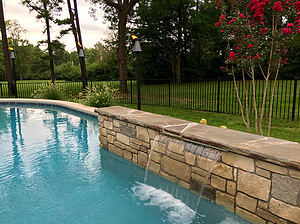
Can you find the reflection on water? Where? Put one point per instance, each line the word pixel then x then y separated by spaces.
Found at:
pixel 28 137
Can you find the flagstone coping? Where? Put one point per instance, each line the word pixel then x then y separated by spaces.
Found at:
pixel 278 151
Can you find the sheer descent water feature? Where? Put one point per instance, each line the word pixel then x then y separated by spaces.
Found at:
pixel 166 146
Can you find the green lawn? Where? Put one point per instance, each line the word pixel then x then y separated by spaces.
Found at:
pixel 196 98
pixel 282 129
pixel 209 96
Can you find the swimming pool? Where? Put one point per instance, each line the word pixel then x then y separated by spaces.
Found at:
pixel 53 171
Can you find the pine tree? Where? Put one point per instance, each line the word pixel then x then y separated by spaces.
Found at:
pixel 123 8
pixel 46 10
pixel 6 52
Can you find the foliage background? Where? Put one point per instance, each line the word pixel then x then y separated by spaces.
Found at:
pixel 200 45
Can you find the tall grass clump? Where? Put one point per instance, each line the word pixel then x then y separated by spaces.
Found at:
pixel 50 91
pixel 99 96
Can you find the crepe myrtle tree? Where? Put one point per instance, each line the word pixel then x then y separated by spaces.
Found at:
pixel 258 36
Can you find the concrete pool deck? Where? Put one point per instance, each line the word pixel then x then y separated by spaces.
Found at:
pixel 63 104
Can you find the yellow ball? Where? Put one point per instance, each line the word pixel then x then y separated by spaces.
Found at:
pixel 203 121
pixel 223 127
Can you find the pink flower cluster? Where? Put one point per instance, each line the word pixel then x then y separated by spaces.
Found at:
pixel 231 21
pixel 263 30
pixel 277 6
pixel 286 31
pixel 232 55
pixel 222 18
pixel 258 8
pixel 297 5
pixel 245 46
pixel 292 26
pixel 297 20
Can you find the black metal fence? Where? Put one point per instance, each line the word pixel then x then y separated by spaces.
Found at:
pixel 207 95
pixel 220 96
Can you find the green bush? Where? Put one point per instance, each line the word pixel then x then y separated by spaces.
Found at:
pixel 99 96
pixel 50 91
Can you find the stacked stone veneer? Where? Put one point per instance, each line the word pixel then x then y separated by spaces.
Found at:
pixel 257 178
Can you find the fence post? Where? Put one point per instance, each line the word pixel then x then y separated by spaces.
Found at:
pixel 1 90
pixel 218 96
pixel 131 91
pixel 169 92
pixel 294 99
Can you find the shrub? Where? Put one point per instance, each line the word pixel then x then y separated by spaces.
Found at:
pixel 50 91
pixel 99 96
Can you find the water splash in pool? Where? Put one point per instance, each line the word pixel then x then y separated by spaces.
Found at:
pixel 163 145
pixel 175 210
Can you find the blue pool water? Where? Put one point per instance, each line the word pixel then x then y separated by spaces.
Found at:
pixel 52 170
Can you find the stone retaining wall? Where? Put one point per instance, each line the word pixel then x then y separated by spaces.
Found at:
pixel 258 186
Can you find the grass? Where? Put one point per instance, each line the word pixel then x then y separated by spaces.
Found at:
pixel 282 129
pixel 209 96
pixel 197 97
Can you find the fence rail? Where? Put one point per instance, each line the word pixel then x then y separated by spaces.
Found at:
pixel 207 95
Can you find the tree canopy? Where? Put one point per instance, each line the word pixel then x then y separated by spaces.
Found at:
pixel 179 42
pixel 46 10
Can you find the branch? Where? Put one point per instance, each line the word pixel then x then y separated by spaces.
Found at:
pixel 262 71
pixel 238 97
pixel 112 4
pixel 132 3
pixel 272 99
pixel 167 60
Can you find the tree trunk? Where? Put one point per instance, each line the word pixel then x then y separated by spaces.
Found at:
pixel 82 62
pixel 122 51
pixel 246 101
pixel 239 100
pixel 49 47
pixel 178 63
pixel 272 99
pixel 254 99
pixel 123 8
pixel 73 25
pixel 77 37
pixel 173 64
pixel 6 52
pixel 179 45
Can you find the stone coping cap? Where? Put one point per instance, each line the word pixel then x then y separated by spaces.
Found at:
pixel 64 104
pixel 278 151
